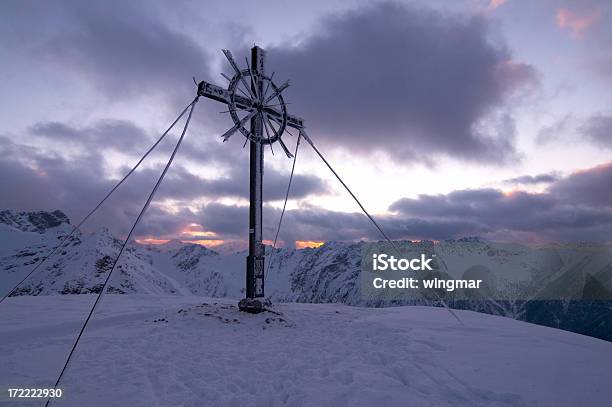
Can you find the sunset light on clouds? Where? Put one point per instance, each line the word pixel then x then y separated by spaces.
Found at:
pixel 454 108
pixel 576 21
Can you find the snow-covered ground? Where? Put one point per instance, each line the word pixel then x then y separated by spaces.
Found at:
pixel 189 351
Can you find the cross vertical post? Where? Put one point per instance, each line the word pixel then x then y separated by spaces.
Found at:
pixel 255 259
pixel 261 102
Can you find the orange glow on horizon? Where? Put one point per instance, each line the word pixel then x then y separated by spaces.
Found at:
pixel 196 230
pixel 152 240
pixel 511 192
pixel 199 234
pixel 303 244
pixel 206 242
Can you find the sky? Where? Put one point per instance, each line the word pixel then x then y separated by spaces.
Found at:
pixel 446 118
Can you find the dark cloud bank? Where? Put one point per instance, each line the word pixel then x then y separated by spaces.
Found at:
pixel 575 207
pixel 412 82
pixel 121 49
pixel 35 179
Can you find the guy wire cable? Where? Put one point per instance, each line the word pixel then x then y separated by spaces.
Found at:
pixel 127 239
pixel 395 246
pixel 75 228
pixel 280 220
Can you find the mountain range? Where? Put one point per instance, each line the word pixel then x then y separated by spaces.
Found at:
pixel 566 286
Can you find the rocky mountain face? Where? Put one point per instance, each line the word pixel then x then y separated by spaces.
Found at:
pixel 330 273
pixel 33 221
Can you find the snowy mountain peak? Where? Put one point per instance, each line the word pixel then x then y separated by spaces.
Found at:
pixel 170 246
pixel 103 238
pixel 195 250
pixel 36 221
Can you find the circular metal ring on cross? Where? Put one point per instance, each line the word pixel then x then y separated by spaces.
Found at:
pixel 269 106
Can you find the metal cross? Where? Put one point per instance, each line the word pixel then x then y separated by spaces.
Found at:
pixel 259 101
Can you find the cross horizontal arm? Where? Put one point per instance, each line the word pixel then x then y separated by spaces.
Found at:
pixel 220 94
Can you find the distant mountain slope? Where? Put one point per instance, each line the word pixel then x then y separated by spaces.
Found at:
pixel 330 273
pixel 33 221
pixel 79 267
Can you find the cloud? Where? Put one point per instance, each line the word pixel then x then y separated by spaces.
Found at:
pixel 121 49
pixel 577 207
pixel 555 131
pixel 576 21
pixel 481 205
pixel 589 21
pixel 225 220
pixel 40 178
pixel 493 4
pixel 425 82
pixel 120 135
pixel 592 187
pixel 533 179
pixel 183 184
pixel 595 130
pixel 574 207
pixel 598 129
